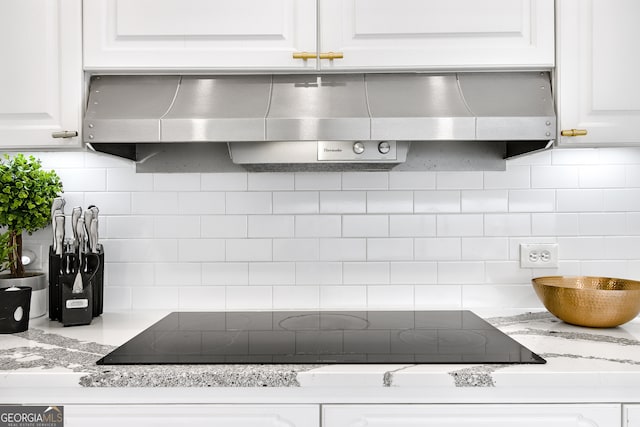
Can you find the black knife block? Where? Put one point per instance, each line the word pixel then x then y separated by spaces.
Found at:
pixel 61 285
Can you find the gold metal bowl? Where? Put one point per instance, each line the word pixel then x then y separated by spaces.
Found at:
pixel 597 302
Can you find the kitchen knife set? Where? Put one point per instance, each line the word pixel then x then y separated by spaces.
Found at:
pixel 76 266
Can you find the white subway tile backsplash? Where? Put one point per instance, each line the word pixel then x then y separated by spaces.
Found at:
pixel 412 180
pixel 299 202
pixel 606 269
pixel 343 249
pixel 225 273
pixel 507 272
pixel 224 226
pixel 126 179
pixel 485 248
pixel 248 203
pixel 515 176
pixel 131 274
pixel 128 227
pixel 490 296
pixel 438 297
pixel 484 201
pixel 365 226
pixel 390 297
pixel 625 200
pixel 601 224
pixel 140 250
pixel 354 240
pixel 318 226
pixel 413 273
pixel 318 273
pixel 365 180
pixel 339 202
pixel 273 181
pixel 176 227
pixel 436 201
pixel 554 224
pixel 393 249
pixel 459 180
pixel 343 297
pixel 271 226
pixel 512 224
pixel 438 248
pixel 581 248
pixel 296 297
pixel 224 181
pixel 272 273
pixel 109 203
pixel 176 182
pixel 202 298
pixel 296 250
pixel 318 181
pixel 159 203
pixel 554 177
pixel 366 273
pixel 249 250
pixel 249 298
pixel 202 203
pixel 83 179
pixel 532 200
pixel 178 274
pixel 389 202
pixel 460 225
pixel 580 200
pixel 117 298
pixel 622 247
pixel 201 250
pixel 460 273
pixel 412 225
pixel 599 176
pixel 156 298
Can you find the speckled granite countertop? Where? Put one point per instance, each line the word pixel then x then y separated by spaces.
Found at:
pixel 65 357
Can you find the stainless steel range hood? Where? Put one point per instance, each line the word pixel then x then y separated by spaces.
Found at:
pixel 331 118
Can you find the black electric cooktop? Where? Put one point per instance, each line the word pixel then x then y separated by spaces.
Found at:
pixel 320 337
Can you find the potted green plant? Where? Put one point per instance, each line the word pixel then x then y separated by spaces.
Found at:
pixel 26 194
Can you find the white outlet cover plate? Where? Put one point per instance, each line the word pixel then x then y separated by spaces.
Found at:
pixel 531 255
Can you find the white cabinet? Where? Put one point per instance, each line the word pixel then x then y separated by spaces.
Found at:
pixel 438 34
pixel 191 415
pixel 605 415
pixel 267 34
pixel 631 416
pixel 599 88
pixel 41 72
pixel 182 34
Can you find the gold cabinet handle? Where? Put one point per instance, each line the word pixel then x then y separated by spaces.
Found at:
pixel 304 55
pixel 64 134
pixel 574 132
pixel 313 55
pixel 331 55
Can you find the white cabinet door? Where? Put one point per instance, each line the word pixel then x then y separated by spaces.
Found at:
pixel 198 34
pixel 438 34
pixel 41 72
pixel 631 416
pixel 191 415
pixel 472 415
pixel 598 63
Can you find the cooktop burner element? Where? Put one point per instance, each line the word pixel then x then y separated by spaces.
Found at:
pixel 320 337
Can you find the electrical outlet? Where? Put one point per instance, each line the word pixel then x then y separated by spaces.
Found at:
pixel 538 255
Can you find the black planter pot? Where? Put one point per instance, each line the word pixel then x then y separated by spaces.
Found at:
pixel 14 309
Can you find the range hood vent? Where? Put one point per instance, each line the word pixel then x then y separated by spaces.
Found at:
pixel 514 107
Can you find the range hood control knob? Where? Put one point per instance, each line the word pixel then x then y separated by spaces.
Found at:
pixel 358 147
pixel 384 147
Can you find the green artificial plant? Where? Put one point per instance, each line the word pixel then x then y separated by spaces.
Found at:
pixel 25 205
